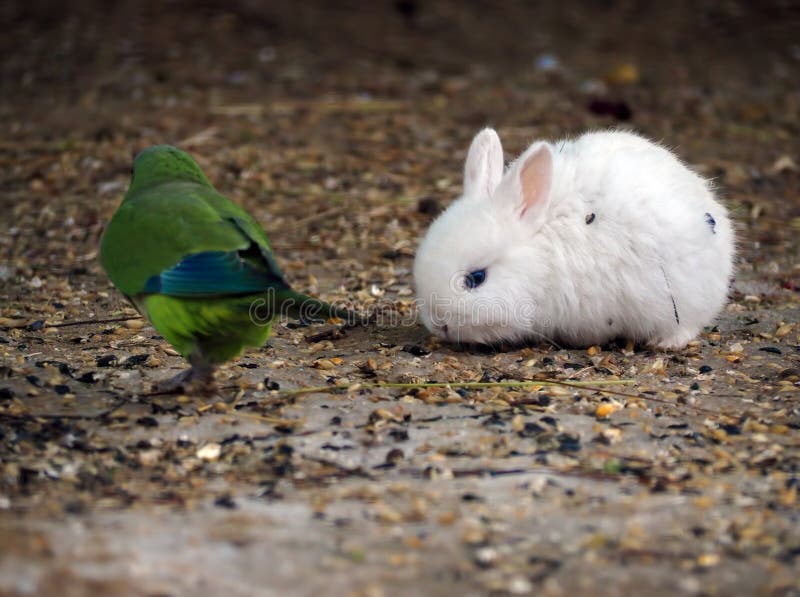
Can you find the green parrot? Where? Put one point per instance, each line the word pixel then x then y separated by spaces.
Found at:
pixel 198 267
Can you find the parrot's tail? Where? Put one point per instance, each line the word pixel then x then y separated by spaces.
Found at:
pixel 306 308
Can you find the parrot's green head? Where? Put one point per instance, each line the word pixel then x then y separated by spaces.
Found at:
pixel 164 163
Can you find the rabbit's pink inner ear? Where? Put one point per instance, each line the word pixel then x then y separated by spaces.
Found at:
pixel 535 178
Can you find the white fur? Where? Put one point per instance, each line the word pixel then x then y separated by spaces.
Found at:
pixel 550 275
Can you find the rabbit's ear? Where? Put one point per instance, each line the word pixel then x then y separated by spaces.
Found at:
pixel 526 187
pixel 484 167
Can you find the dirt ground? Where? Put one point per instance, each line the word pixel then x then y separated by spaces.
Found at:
pixel 343 128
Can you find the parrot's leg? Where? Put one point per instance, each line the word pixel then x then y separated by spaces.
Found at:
pixel 199 378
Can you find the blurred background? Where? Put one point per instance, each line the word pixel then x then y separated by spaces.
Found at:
pixel 79 59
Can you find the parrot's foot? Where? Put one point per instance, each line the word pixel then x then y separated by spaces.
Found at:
pixel 194 380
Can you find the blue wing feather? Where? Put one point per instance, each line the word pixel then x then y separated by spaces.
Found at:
pixel 212 273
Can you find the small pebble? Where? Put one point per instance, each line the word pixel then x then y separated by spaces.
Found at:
pixel 485 557
pixel 209 452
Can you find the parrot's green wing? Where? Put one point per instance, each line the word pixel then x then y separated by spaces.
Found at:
pixel 185 239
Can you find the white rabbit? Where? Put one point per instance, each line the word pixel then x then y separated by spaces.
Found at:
pixel 580 241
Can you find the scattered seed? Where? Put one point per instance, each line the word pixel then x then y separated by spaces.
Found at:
pixel 605 410
pixel 147 422
pixel 225 501
pixel 109 360
pixel 394 456
pixel 428 206
pixel 416 350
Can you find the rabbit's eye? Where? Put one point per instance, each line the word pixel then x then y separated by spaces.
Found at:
pixel 475 279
